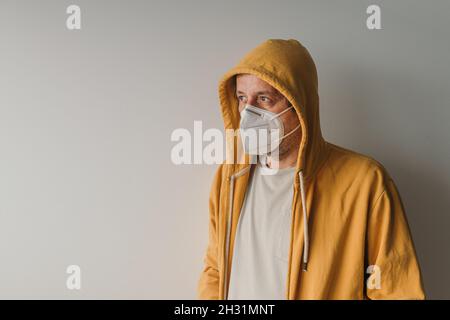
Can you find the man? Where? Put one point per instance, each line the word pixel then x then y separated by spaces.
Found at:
pixel 316 221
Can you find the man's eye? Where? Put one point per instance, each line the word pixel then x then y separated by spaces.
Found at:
pixel 264 99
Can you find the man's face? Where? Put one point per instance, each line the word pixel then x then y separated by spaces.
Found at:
pixel 252 90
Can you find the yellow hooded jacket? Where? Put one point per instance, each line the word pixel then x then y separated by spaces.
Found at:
pixel 348 219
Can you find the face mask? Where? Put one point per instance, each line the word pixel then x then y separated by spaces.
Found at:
pixel 262 131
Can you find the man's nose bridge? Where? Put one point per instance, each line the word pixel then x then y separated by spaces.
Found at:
pixel 252 100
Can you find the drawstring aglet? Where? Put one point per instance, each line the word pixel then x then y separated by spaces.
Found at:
pixel 304 266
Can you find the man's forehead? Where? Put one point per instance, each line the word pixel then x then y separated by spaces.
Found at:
pixel 244 81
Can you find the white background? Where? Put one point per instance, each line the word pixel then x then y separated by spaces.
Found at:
pixel 86 117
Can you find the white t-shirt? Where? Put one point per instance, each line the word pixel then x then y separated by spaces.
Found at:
pixel 260 255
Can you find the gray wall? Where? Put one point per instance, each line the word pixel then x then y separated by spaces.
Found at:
pixel 86 118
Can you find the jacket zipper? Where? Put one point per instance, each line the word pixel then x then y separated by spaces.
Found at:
pixel 231 180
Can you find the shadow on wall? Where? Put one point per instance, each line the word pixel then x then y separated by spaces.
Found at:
pixel 382 99
pixel 426 200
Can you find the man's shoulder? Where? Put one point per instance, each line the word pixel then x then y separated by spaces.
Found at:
pixel 353 165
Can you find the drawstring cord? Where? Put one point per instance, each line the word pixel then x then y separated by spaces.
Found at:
pixel 305 224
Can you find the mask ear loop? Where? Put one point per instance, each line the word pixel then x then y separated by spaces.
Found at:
pixel 279 114
pixel 288 134
pixel 293 130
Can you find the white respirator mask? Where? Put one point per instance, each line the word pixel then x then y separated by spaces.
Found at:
pixel 262 131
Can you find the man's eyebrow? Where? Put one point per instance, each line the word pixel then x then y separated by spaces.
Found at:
pixel 266 92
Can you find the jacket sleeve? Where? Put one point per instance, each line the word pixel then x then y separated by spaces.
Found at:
pixel 208 284
pixel 390 250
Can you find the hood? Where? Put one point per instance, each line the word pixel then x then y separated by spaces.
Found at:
pixel 287 66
